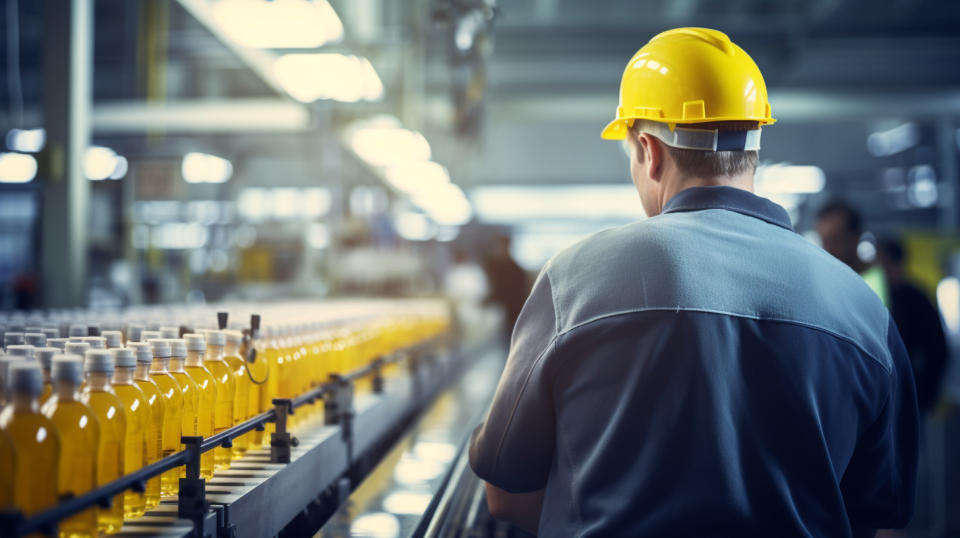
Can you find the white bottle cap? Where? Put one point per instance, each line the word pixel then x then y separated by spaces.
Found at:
pixel 124 357
pixel 67 368
pixel 160 347
pixel 59 343
pixel 113 338
pixel 45 355
pixel 25 377
pixel 178 348
pixel 146 336
pixel 12 339
pixel 21 350
pixel 215 338
pixel 134 330
pixel 170 332
pixel 98 360
pixel 51 332
pixel 35 339
pixel 77 348
pixel 77 329
pixel 195 342
pixel 96 342
pixel 143 351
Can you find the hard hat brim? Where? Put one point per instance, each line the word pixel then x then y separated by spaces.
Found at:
pixel 615 130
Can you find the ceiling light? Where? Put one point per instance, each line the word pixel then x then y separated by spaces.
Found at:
pixel 294 24
pixel 205 168
pixel 344 78
pixel 17 168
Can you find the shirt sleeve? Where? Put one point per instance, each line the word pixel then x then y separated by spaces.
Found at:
pixel 513 448
pixel 879 483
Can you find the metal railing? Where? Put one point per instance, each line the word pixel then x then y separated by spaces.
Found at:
pixel 192 503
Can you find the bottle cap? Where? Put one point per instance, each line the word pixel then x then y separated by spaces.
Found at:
pixel 21 350
pixel 77 329
pixel 67 368
pixel 98 360
pixel 215 338
pixel 25 377
pixel 234 337
pixel 12 339
pixel 33 329
pixel 134 331
pixel 96 342
pixel 124 357
pixel 113 338
pixel 160 347
pixel 146 336
pixel 195 342
pixel 35 339
pixel 45 354
pixel 51 332
pixel 178 348
pixel 170 332
pixel 143 351
pixel 59 343
pixel 6 361
pixel 93 329
pixel 77 348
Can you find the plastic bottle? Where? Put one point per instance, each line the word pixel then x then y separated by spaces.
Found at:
pixel 272 354
pixel 6 362
pixel 157 409
pixel 79 430
pixel 59 343
pixel 231 354
pixel 35 440
pixel 190 422
pixel 259 372
pixel 21 350
pixel 138 419
pixel 8 466
pixel 226 392
pixel 12 339
pixel 98 393
pixel 35 339
pixel 207 396
pixel 45 356
pixel 173 405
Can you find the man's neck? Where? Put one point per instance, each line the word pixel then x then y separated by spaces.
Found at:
pixel 672 187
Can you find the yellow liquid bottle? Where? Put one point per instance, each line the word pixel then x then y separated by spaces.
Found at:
pixel 206 396
pixel 241 404
pixel 138 422
pixel 99 395
pixel 173 415
pixel 8 466
pixel 190 423
pixel 258 370
pixel 35 438
pixel 153 445
pixel 79 439
pixel 272 386
pixel 44 356
pixel 226 392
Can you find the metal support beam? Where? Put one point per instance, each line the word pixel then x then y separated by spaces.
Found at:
pixel 949 183
pixel 67 65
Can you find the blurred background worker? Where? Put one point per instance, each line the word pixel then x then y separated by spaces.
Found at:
pixel 508 281
pixel 918 321
pixel 840 228
pixel 707 371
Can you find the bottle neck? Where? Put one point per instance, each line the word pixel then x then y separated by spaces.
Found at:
pixel 24 402
pixel 159 365
pixel 176 364
pixel 214 353
pixel 231 349
pixel 98 381
pixel 142 372
pixel 66 391
pixel 123 376
pixel 194 358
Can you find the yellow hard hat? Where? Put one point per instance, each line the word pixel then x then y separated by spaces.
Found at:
pixel 688 76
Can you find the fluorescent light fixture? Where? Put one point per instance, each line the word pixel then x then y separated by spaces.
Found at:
pixel 948 299
pixel 278 24
pixel 26 140
pixel 788 179
pixel 17 168
pixel 99 163
pixel 615 204
pixel 384 146
pixel 317 202
pixel 255 204
pixel 205 168
pixel 445 204
pixel 416 177
pixel 344 78
pixel 892 141
pixel 286 203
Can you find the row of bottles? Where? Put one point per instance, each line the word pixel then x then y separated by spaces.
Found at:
pixel 82 411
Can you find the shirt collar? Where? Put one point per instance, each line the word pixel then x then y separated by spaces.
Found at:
pixel 730 198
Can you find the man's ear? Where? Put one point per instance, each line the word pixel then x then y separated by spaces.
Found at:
pixel 651 156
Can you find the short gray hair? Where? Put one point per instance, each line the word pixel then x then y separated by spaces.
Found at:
pixel 709 164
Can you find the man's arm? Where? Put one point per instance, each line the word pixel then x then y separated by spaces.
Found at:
pixel 521 509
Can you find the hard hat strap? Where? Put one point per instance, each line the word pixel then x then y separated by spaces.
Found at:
pixel 701 139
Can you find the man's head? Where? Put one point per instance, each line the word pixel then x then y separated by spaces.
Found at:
pixel 659 171
pixel 840 227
